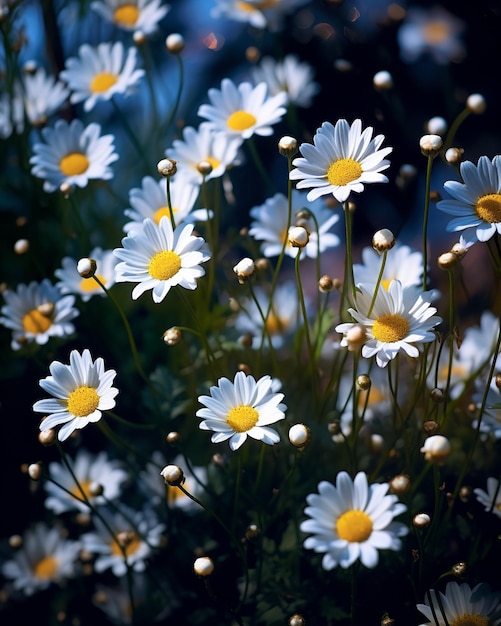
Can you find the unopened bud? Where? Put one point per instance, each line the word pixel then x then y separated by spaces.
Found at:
pixel 436 449
pixel 172 437
pixel 476 103
pixel 356 336
pixel 453 155
pixel 86 267
pixel 325 284
pixel 299 435
pixel 175 43
pixel 382 80
pixel 430 145
pixel 436 126
pixel 363 382
pixel 298 237
pixel 459 250
pixel 173 475
pixel 21 246
pixel 383 240
pixel 287 146
pixel 421 520
pixel 172 336
pixel 167 167
pixel 296 620
pixel 204 167
pixel 47 437
pixel 46 308
pixel 244 269
pixel 459 569
pixel 437 395
pixel 203 566
pixel 35 471
pixel 252 532
pixel 447 260
pixel 400 484
pixel 138 37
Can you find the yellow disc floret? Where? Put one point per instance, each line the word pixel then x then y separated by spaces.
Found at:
pixel 36 322
pixel 102 82
pixel 164 265
pixel 74 164
pixel 83 401
pixel 390 328
pixel 488 208
pixel 470 619
pixel 242 418
pixel 354 526
pixel 46 568
pixel 343 171
pixel 126 15
pixel 241 120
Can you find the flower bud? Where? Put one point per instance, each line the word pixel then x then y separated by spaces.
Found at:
pixel 299 435
pixel 252 532
pixel 436 126
pixel 459 569
pixel 172 437
pixel 173 475
pixel 34 471
pixel 325 284
pixel 430 145
pixel 172 336
pixel 447 260
pixel 298 237
pixel 203 566
pixel 421 520
pixel 459 250
pixel 86 267
pixel 244 269
pixel 382 80
pixel 21 246
pixel 383 240
pixel 47 437
pixel 363 382
pixel 296 620
pixel 204 167
pixel 436 449
pixel 453 155
pixel 138 37
pixel 476 103
pixel 437 395
pixel 174 43
pixel 287 146
pixel 400 484
pixel 167 167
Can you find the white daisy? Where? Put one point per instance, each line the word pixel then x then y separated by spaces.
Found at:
pixel 132 15
pixel 398 321
pixel 44 95
pixel 352 520
pixel 258 13
pixel 139 531
pixel 70 281
pixel 204 144
pixel 490 499
pixel 36 312
pixel 101 72
pixel 289 75
pixel 91 471
pixel 243 110
pixel 341 160
pixel 476 202
pixel 11 113
pixel 46 557
pixel 270 226
pixel 402 264
pixel 73 153
pixel 80 390
pixel 150 201
pixel 462 605
pixel 158 258
pixel 242 408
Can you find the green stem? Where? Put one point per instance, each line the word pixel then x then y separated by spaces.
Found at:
pixel 425 222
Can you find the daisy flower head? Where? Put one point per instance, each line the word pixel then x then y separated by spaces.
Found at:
pixel 44 95
pixel 396 320
pixel 270 226
pixel 158 257
pixel 257 13
pixel 99 73
pixel 490 499
pixel 74 154
pixel 91 471
pixel 70 281
pixel 46 557
pixel 243 110
pixel 132 15
pixel 352 520
pixel 341 160
pixel 80 392
pixel 36 312
pixel 475 202
pixel 242 408
pixel 460 604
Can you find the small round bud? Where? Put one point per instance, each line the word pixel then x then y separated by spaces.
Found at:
pixel 325 283
pixel 447 260
pixel 138 37
pixel 382 80
pixel 47 437
pixel 435 196
pixel 459 569
pixel 459 250
pixel 476 103
pixel 363 382
pixel 465 494
pixel 356 337
pixel 21 246
pixel 421 520
pixel 203 566
pixel 172 336
pixel 436 449
pixel 383 240
pixel 437 395
pixel 244 269
pixel 296 620
pixel 86 267
pixel 15 541
pixel 386 620
pixel 376 442
pixel 175 43
pixel 453 155
pixel 246 340
pixel 172 437
pixel 34 471
pixel 243 367
pixel 167 167
pixel 400 484
pixel 497 381
pixel 430 427
pixel 430 145
pixel 287 146
pixel 303 215
pixel 252 532
pixel 252 54
pixel 173 475
pixel 436 126
pixel 204 167
pixel 298 236
pixel 261 264
pixel 299 435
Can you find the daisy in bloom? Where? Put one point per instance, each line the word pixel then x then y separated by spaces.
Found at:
pixel 341 160
pixel 158 258
pixel 91 471
pixel 132 15
pixel 476 202
pixel 258 13
pixel 44 95
pixel 46 557
pixel 74 154
pixel 36 312
pixel 270 226
pixel 99 73
pixel 490 499
pixel 150 201
pixel 398 321
pixel 242 408
pixel 243 110
pixel 70 281
pixel 138 531
pixel 80 390
pixel 204 145
pixel 289 75
pixel 460 604
pixel 352 520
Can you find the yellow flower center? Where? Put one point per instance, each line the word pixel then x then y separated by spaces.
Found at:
pixel 174 494
pixel 386 283
pixel 241 120
pixel 488 208
pixel 36 322
pixel 214 162
pixel 102 82
pixel 83 401
pixel 130 546
pixel 275 324
pixel 126 15
pixel 435 32
pixel 164 210
pixel 74 164
pixel 83 485
pixel 390 328
pixel 242 418
pixel 343 171
pixel 164 265
pixel 469 619
pixel 257 6
pixel 354 526
pixel 89 284
pixel 46 568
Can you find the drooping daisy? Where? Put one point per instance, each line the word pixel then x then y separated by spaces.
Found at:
pixel 243 110
pixel 460 604
pixel 132 15
pixel 341 160
pixel 138 531
pixel 476 202
pixel 74 154
pixel 398 321
pixel 70 281
pixel 101 72
pixel 150 201
pixel 269 226
pixel 36 312
pixel 352 520
pixel 490 499
pixel 46 557
pixel 91 471
pixel 242 408
pixel 289 75
pixel 258 13
pixel 80 390
pixel 204 144
pixel 44 95
pixel 158 258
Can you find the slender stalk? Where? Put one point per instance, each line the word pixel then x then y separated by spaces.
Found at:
pixel 425 222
